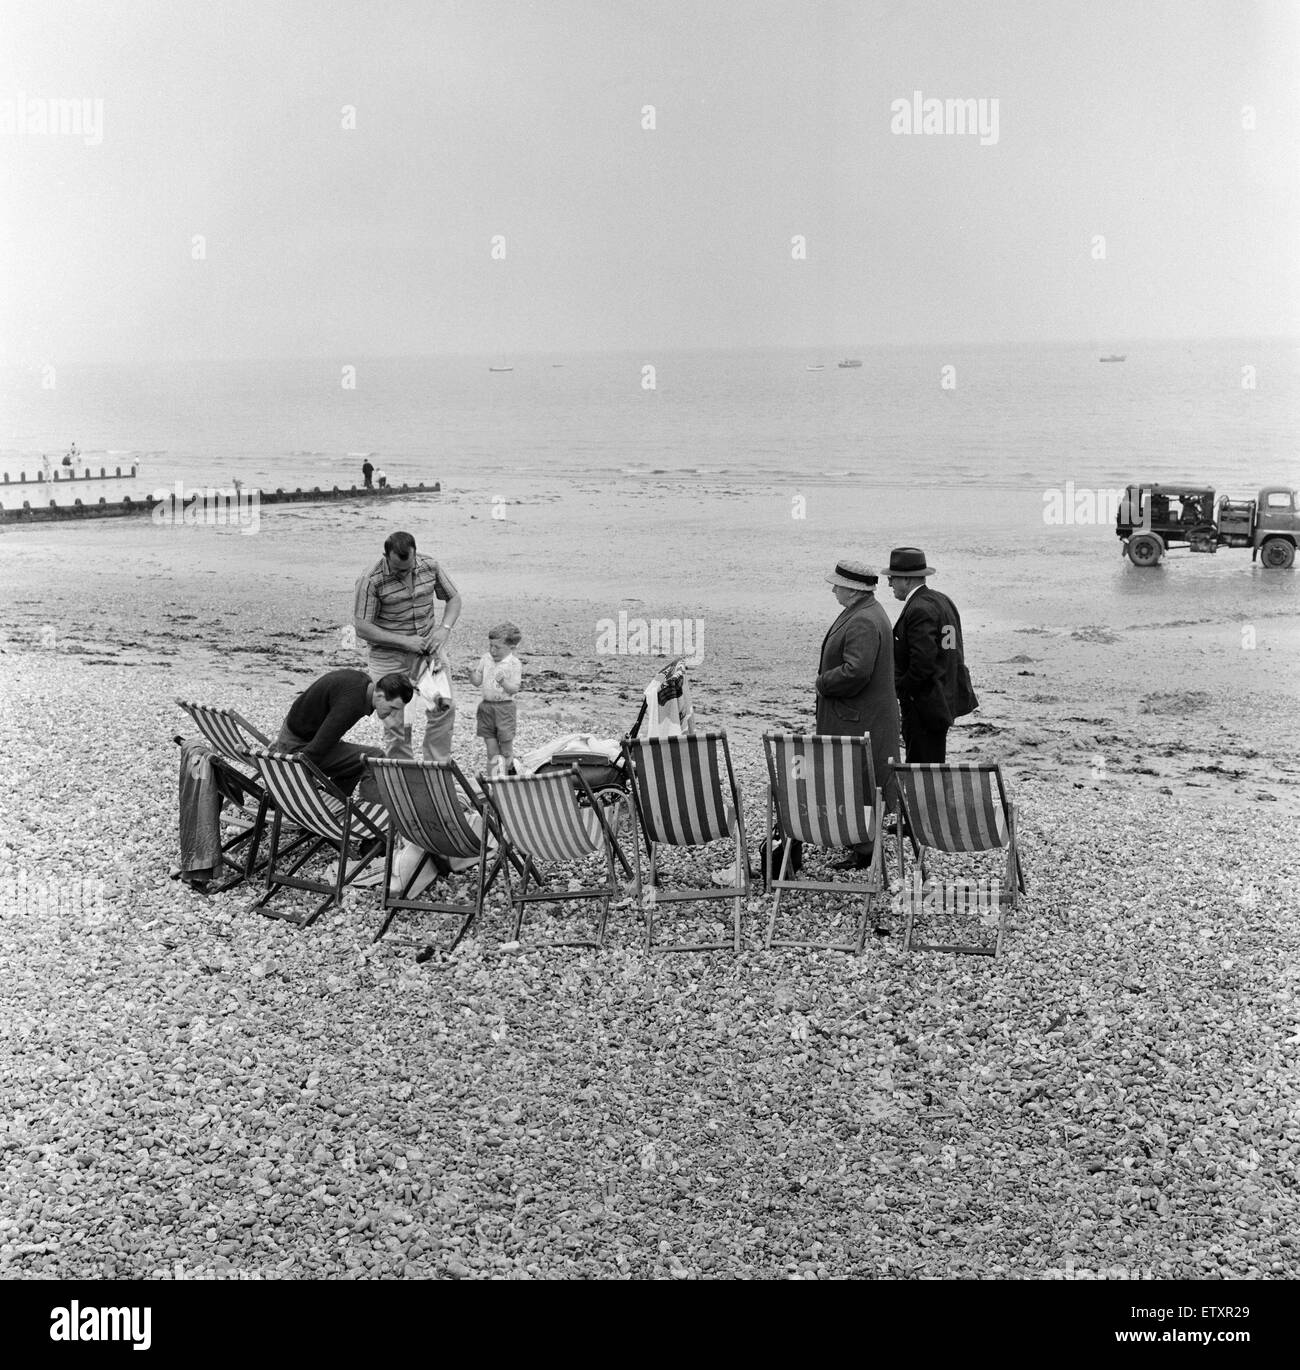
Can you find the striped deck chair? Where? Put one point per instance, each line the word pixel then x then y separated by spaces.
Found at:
pixel 542 819
pixel 232 739
pixel 679 800
pixel 821 790
pixel 958 807
pixel 299 792
pixel 429 805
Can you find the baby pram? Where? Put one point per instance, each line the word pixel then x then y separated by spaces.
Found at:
pixel 665 712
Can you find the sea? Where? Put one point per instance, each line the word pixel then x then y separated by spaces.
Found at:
pixel 1007 417
pixel 694 481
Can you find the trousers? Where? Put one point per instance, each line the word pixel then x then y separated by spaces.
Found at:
pixel 437 725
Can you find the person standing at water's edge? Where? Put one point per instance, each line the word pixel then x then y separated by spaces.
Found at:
pixel 930 672
pixel 855 677
pixel 395 614
pixel 367 471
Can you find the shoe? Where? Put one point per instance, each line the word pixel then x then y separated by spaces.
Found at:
pixel 854 861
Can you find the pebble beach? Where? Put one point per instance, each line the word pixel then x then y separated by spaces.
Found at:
pixel 195 1091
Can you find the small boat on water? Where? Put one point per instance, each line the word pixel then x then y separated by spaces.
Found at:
pixel 849 362
pixel 501 368
pixel 815 368
pixel 1115 357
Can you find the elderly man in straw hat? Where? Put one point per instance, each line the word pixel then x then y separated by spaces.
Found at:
pixel 934 686
pixel 855 679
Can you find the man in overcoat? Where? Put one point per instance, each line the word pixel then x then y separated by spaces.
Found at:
pixel 855 678
pixel 930 673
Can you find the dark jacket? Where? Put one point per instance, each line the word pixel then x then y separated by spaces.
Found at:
pixel 327 708
pixel 855 685
pixel 929 661
pixel 197 814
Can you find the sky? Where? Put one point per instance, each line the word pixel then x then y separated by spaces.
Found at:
pixel 224 209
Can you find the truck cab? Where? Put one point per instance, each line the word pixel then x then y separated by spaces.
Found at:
pixel 1277 527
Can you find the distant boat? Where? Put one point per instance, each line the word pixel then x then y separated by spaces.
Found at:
pixel 816 368
pixel 1115 357
pixel 501 368
pixel 849 362
pixel 557 365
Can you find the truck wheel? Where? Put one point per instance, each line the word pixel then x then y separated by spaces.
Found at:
pixel 1144 549
pixel 1277 554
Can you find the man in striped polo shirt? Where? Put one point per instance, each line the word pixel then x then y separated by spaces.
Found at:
pixel 395 615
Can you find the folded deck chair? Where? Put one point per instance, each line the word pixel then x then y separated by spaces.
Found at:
pixel 297 791
pixel 543 820
pixel 821 790
pixel 429 805
pixel 232 739
pixel 679 800
pixel 957 807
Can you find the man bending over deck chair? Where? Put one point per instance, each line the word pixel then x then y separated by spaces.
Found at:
pixel 318 719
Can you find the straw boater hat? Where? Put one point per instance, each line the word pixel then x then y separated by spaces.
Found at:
pixel 853 575
pixel 908 561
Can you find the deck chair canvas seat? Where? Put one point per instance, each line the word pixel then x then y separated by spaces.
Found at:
pixel 822 791
pixel 300 793
pixel 434 808
pixel 543 818
pixel 233 739
pixel 958 807
pixel 685 795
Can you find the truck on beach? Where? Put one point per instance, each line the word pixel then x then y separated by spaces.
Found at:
pixel 1153 517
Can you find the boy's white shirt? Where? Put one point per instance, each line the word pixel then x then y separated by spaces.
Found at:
pixel 485 673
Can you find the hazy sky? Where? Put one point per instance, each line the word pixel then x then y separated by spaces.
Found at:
pixel 773 118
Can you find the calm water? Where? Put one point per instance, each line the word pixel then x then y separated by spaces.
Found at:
pixel 1022 418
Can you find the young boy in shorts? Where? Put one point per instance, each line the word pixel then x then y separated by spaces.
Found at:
pixel 499 675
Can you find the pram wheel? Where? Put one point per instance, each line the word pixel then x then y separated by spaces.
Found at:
pixel 613 799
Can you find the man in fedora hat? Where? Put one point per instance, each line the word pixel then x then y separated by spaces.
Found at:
pixel 930 672
pixel 855 678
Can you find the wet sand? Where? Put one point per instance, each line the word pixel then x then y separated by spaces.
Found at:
pixel 1090 672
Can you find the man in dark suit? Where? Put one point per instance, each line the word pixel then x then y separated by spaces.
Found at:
pixel 855 679
pixel 929 663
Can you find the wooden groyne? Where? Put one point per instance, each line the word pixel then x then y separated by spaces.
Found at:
pixel 62 476
pixel 54 512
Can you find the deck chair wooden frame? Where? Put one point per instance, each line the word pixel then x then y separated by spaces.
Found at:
pixel 541 817
pixel 233 739
pixel 300 792
pixel 428 804
pixel 678 800
pixel 957 807
pixel 821 790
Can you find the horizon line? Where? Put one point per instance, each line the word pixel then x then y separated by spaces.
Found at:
pixel 843 350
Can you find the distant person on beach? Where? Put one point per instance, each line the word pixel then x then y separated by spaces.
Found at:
pixel 934 687
pixel 318 719
pixel 499 675
pixel 381 478
pixel 47 470
pixel 395 614
pixel 855 679
pixel 367 471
